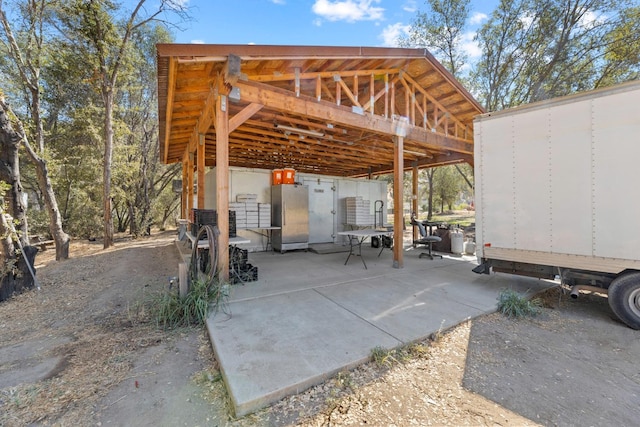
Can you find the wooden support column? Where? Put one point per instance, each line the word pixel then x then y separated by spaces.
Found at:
pixel 222 183
pixel 189 182
pixel 184 213
pixel 398 206
pixel 414 197
pixel 386 96
pixel 393 100
pixel 200 161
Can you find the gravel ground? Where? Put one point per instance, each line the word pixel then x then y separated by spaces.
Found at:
pixel 82 351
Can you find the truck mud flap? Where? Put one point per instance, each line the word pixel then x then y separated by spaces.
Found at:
pixel 484 268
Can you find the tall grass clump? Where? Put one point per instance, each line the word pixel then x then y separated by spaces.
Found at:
pixel 514 304
pixel 170 311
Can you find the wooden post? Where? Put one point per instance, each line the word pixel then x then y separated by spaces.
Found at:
pixel 200 161
pixel 183 279
pixel 414 198
pixel 398 206
pixel 222 183
pixel 184 213
pixel 189 182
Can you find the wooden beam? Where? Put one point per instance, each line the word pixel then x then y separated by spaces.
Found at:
pixel 243 115
pixel 322 75
pixel 200 167
pixel 171 87
pixel 205 120
pixel 189 181
pixel 437 160
pixel 386 96
pixel 184 212
pixel 398 205
pixel 347 91
pixel 284 100
pixel 414 195
pixel 222 183
pixel 416 85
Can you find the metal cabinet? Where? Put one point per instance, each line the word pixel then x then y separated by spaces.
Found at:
pixel 290 212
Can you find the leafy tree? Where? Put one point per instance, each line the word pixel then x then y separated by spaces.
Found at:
pixel 623 57
pixel 27 55
pixel 104 41
pixel 428 175
pixel 79 181
pixel 140 177
pixel 440 30
pixel 446 186
pixel 14 263
pixel 539 49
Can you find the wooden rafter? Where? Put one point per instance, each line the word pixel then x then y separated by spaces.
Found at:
pixel 350 95
pixel 171 84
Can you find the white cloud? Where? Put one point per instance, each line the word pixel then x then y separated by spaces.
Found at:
pixel 410 6
pixel 527 21
pixel 278 1
pixel 470 47
pixel 348 10
pixel 590 19
pixel 391 33
pixel 478 18
pixel 197 41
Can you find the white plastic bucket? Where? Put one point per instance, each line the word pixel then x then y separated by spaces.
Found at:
pixel 456 242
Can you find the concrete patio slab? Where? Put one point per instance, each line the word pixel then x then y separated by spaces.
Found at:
pixel 310 316
pixel 283 344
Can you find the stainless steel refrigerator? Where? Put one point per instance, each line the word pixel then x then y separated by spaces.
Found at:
pixel 290 212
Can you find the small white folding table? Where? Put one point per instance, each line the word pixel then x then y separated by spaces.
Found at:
pixel 357 237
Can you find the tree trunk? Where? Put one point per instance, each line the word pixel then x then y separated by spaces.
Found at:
pixel 12 270
pixel 107 96
pixel 430 173
pixel 133 225
pixel 58 234
pixel 61 238
pixel 10 173
pixel 167 212
pixel 143 195
pixel 17 278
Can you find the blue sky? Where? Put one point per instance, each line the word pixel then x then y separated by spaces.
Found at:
pixel 310 22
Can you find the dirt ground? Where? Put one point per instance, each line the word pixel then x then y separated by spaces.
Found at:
pixel 83 351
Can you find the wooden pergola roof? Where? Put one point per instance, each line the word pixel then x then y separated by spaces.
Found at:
pixel 324 110
pixel 341 111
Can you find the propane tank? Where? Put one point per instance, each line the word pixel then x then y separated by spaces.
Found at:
pixel 456 242
pixel 469 247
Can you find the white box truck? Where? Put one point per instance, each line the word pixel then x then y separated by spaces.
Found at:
pixel 557 193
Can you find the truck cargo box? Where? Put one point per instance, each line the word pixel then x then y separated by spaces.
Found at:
pixel 556 186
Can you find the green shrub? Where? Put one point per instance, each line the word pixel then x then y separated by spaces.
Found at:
pixel 170 311
pixel 513 304
pixel 381 356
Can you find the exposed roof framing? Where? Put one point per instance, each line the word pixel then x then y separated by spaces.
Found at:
pixel 324 110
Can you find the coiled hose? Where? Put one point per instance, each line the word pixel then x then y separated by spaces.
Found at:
pixel 204 261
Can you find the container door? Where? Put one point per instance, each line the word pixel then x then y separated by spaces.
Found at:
pixel 322 212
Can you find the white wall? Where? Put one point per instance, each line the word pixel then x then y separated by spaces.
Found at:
pixel 258 181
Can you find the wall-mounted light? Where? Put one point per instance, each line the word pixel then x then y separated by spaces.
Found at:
pixel 299 131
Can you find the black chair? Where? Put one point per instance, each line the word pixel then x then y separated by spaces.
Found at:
pixel 425 239
pixel 428 241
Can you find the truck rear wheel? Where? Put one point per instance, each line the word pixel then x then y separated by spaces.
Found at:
pixel 624 298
